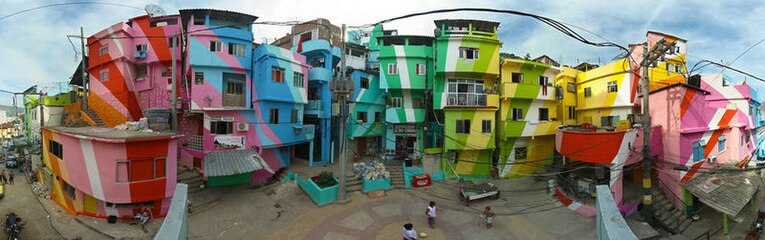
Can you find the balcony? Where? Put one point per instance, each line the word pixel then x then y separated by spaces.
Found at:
pixel 194 142
pixel 313 108
pixel 515 129
pixel 472 100
pixel 319 74
pixel 526 91
pixel 586 143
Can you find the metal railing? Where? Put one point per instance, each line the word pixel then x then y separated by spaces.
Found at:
pixel 466 99
pixel 195 142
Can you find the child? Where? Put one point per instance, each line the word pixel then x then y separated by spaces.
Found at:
pixel 488 215
pixel 431 213
pixel 408 232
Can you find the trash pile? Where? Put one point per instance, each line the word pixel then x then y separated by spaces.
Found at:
pixel 370 170
pixel 142 125
pixel 40 190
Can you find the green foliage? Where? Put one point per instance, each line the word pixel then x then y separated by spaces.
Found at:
pixel 326 179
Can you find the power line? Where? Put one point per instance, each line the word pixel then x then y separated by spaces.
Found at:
pixel 65 4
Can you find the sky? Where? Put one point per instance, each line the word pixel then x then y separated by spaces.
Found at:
pixel 36 48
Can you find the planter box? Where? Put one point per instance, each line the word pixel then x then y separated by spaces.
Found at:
pixel 378 184
pixel 321 196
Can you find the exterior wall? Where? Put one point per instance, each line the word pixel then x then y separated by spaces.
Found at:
pixel 116 99
pixel 89 165
pixel 209 93
pixel 602 103
pixel 539 152
pixel 566 78
pixel 320 29
pixel 370 100
pixel 476 139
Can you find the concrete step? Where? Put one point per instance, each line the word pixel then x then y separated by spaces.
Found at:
pixel 198 208
pixel 352 188
pixel 684 224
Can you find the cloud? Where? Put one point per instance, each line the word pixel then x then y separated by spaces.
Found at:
pixel 36 49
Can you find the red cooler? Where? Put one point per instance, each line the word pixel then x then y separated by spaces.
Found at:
pixel 421 180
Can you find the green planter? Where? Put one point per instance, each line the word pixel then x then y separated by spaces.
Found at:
pixel 321 196
pixel 377 184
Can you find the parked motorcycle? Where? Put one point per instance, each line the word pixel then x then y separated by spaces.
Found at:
pixel 13 226
pixel 757 225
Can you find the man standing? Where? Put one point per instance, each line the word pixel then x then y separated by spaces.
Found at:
pixel 2 176
pixel 408 232
pixel 10 177
pixel 431 213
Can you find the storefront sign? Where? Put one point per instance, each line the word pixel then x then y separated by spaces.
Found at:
pixel 405 129
pixel 229 142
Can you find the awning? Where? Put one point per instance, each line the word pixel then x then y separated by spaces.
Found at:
pixel 725 188
pixel 231 162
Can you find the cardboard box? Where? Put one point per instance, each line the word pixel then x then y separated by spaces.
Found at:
pixel 376 194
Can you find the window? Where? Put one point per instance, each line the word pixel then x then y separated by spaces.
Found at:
pixel 236 49
pixel 396 102
pixel 520 153
pixel 543 81
pixel 167 71
pixel 273 116
pixel 294 116
pixel 421 69
pixel 462 126
pixel 140 71
pixel 277 74
pixel 486 126
pixel 141 170
pixel 70 191
pixel 588 92
pixel 698 151
pixel 378 117
pixel 234 87
pixel 517 77
pixel 721 144
pixel 679 68
pixel 141 47
pixel 306 36
pixel 103 75
pixel 56 149
pixel 173 41
pixel 364 83
pixel 392 69
pixel 609 121
pixel 215 46
pixel 199 19
pixel 572 112
pixel 103 51
pixel 544 114
pixel 571 87
pixel 612 86
pixel 361 116
pixel 199 78
pixel 517 114
pixel 463 92
pixel 298 79
pixel 670 67
pixel 417 103
pixel 469 53
pixel 221 127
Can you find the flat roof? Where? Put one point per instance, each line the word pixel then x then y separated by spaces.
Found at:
pixel 111 133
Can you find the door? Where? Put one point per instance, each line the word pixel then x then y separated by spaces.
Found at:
pixel 89 204
pixel 198 163
pixel 361 144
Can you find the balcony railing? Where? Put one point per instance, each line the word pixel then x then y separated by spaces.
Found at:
pixel 466 99
pixel 195 142
pixel 313 107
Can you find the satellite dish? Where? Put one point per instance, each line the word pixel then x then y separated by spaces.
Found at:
pixel 154 10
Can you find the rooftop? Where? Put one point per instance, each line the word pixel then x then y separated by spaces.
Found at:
pixel 480 25
pixel 111 133
pixel 414 40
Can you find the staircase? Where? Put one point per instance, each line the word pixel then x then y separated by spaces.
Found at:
pixel 96 119
pixel 396 175
pixel 666 214
pixel 191 178
pixel 352 183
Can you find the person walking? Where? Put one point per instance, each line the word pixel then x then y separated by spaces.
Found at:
pixel 408 232
pixel 488 216
pixel 431 213
pixel 2 176
pixel 10 177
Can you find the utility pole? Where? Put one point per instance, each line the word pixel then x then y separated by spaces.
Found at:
pixel 341 87
pixel 649 59
pixel 82 71
pixel 173 116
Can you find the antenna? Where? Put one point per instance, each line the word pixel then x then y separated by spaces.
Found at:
pixel 154 10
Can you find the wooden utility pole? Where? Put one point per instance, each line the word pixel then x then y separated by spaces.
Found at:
pixel 82 71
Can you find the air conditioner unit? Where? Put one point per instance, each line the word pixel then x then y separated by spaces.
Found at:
pixel 242 127
pixel 712 159
pixel 170 84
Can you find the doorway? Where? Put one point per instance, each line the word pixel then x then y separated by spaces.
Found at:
pixel 361 146
pixel 405 147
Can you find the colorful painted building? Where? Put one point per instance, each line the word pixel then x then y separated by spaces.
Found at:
pixel 129 68
pixel 407 73
pixel 366 127
pixel 103 172
pixel 465 91
pixel 529 114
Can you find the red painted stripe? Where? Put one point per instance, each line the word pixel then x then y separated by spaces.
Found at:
pixel 563 199
pixel 687 99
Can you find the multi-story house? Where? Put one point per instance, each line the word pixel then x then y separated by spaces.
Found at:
pixel 108 172
pixel 279 96
pixel 406 74
pixel 465 92
pixel 606 145
pixel 366 128
pixel 44 104
pixel 219 94
pixel 529 114
pixel 320 42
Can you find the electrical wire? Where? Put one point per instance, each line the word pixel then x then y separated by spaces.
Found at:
pixel 65 4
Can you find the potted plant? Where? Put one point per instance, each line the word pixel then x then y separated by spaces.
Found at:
pixel 325 179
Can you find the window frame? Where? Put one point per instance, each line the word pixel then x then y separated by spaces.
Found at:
pixel 56 149
pixel 298 79
pixel 127 164
pixel 520 151
pixel 612 87
pixel 277 74
pixel 464 53
pixel 103 50
pixel 364 83
pixel 273 116
pixel 141 71
pixel 698 151
pixel 516 77
pixel 199 78
pixel 463 125
pixel 216 46
pixel 392 69
pixel 571 87
pixel 420 69
pixel 234 87
pixel 397 102
pixel 546 114
pixel 543 80
pixel 236 49
pixel 721 144
pixel 215 128
pixel 103 75
pixel 572 112
pixel 517 114
pixel 363 116
pixel 294 118
pixel 486 126
pixel 587 92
